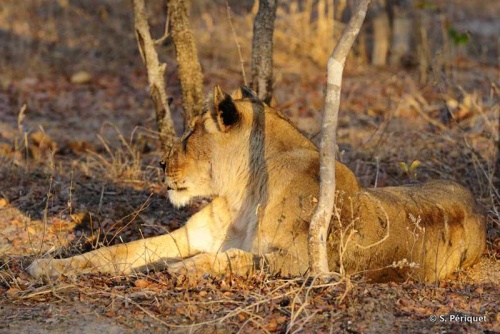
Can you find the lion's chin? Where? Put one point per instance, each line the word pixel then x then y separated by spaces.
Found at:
pixel 179 198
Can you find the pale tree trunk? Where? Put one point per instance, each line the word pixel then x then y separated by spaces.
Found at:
pixel 156 74
pixel 262 50
pixel 318 230
pixel 190 74
pixel 401 30
pixel 381 33
pixel 422 21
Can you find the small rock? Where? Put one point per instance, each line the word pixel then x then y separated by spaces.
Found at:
pixel 81 77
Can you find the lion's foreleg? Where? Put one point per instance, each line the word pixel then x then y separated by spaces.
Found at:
pixel 204 232
pixel 139 255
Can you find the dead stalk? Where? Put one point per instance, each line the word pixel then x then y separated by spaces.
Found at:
pixel 238 46
pixel 132 219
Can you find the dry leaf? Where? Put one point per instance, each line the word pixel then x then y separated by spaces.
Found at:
pixel 6 150
pixel 42 140
pixel 81 77
pixel 3 202
pixel 242 316
pixel 273 325
pixel 80 217
pixel 41 144
pixel 110 314
pixel 142 283
pixel 80 147
pixel 58 225
pixel 12 291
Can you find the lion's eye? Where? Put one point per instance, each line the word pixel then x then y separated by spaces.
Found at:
pixel 163 165
pixel 185 139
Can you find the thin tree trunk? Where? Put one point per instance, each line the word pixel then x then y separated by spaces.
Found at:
pixel 190 74
pixel 318 230
pixel 156 74
pixel 262 50
pixel 402 26
pixel 381 34
pixel 339 8
pixel 422 21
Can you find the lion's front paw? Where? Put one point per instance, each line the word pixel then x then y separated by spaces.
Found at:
pixel 48 269
pixel 190 268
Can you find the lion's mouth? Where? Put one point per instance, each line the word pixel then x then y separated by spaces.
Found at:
pixel 176 189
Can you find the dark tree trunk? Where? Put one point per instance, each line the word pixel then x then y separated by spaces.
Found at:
pixel 190 74
pixel 262 50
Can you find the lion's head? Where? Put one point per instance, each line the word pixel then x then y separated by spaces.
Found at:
pixel 222 129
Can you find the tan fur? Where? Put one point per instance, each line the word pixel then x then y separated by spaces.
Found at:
pixel 263 177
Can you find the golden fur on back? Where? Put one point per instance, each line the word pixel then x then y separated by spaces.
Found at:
pixel 262 176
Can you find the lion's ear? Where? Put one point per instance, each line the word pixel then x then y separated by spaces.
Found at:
pixel 237 95
pixel 244 92
pixel 226 113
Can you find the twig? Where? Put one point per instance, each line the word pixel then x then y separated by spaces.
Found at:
pixel 46 211
pixel 44 291
pixel 133 217
pixel 20 119
pixel 147 312
pixel 166 34
pixel 238 46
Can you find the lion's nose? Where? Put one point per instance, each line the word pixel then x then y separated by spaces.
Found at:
pixel 163 165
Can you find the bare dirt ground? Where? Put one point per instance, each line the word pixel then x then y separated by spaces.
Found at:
pixel 78 169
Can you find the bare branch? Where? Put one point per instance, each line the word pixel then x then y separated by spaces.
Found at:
pixel 156 74
pixel 166 33
pixel 318 230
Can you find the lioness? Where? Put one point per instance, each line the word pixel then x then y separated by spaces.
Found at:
pixel 262 176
